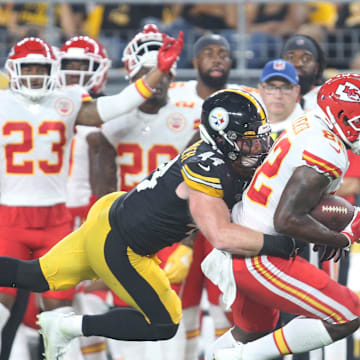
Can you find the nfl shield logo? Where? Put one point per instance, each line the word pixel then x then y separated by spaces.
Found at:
pixel 279 65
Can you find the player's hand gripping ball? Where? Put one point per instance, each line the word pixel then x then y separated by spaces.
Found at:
pixel 334 212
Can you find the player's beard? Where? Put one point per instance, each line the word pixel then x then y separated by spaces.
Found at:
pixel 214 82
pixel 306 82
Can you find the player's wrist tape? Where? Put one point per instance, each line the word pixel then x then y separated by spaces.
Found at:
pixel 278 245
pixel 111 107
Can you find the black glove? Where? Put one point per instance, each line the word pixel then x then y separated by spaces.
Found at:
pixel 330 252
pixel 279 245
pixel 300 246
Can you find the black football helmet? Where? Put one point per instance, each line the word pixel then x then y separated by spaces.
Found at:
pixel 234 123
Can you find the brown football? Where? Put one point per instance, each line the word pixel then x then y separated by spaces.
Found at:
pixel 334 212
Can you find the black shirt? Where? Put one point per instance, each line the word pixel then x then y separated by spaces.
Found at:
pixel 151 216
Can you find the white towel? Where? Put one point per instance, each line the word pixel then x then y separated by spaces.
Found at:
pixel 217 266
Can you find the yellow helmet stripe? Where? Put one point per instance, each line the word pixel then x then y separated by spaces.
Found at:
pixel 252 99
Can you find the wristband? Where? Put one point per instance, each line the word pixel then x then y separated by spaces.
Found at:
pixel 143 88
pixel 111 107
pixel 278 245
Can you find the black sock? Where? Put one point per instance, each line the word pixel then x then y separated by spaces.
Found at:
pixel 126 324
pixel 15 319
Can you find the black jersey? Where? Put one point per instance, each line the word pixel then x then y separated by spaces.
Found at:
pixel 151 216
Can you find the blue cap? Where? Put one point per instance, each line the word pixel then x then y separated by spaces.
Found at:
pixel 280 68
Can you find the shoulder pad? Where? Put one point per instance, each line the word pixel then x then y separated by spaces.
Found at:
pixel 202 170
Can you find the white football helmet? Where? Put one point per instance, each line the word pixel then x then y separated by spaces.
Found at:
pixel 32 51
pixel 88 49
pixel 142 51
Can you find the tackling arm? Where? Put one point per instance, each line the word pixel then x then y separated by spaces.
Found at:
pixel 213 219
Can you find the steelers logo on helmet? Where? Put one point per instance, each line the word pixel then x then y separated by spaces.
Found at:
pixel 218 118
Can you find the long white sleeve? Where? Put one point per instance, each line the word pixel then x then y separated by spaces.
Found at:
pixel 110 107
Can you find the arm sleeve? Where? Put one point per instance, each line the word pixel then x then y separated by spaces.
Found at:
pixel 110 107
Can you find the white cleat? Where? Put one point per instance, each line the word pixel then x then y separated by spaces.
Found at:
pixel 234 353
pixel 56 341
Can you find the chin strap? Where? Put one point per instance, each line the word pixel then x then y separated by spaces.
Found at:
pixel 355 147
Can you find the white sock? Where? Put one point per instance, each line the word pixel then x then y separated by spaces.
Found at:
pixel 4 317
pixel 223 342
pixel 72 325
pixel 20 348
pixel 191 319
pixel 298 336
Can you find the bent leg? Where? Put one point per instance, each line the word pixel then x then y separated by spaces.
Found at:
pixel 142 284
pixel 296 287
pixel 330 311
pixel 138 280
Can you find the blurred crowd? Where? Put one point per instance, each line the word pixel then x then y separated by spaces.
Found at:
pixel 267 25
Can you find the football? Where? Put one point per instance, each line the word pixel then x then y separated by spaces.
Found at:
pixel 334 212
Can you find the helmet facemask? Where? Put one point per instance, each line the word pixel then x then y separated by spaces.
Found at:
pixel 142 51
pixel 28 52
pixel 339 99
pixel 85 61
pixel 250 150
pixel 348 132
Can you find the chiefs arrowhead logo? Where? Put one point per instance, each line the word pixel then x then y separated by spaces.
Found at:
pixel 348 92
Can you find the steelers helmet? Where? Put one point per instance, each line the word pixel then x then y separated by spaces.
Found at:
pixel 232 122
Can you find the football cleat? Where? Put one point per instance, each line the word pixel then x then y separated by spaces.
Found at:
pixel 56 341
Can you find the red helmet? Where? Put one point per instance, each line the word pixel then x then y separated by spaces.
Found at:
pixel 33 51
pixel 90 50
pixel 339 99
pixel 142 50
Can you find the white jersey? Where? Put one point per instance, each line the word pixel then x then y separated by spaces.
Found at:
pixel 306 142
pixel 310 99
pixel 78 184
pixel 35 145
pixel 144 141
pixel 278 127
pixel 184 95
